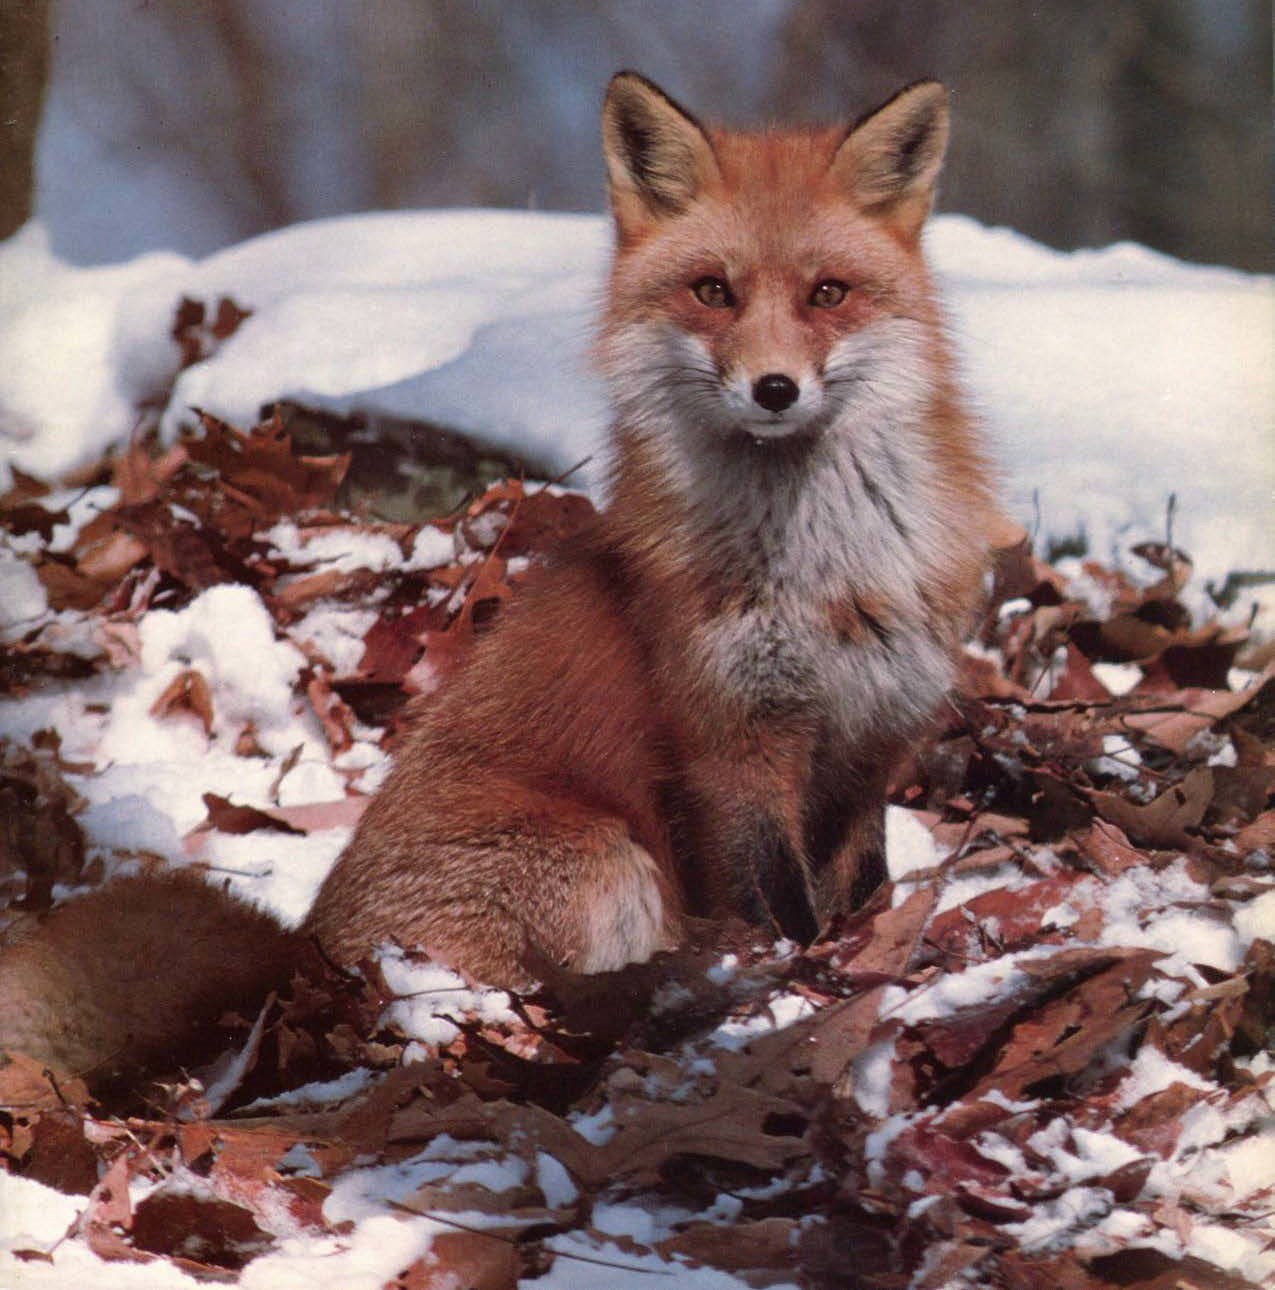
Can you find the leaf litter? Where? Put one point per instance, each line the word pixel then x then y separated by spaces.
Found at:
pixel 1042 1056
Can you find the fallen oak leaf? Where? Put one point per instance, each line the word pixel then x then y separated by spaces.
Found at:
pixel 31 517
pixel 56 1152
pixel 110 1214
pixel 193 1227
pixel 1164 821
pixel 764 1244
pixel 326 584
pixel 1062 1036
pixel 1018 915
pixel 335 715
pixel 1077 680
pixel 261 472
pixel 30 1086
pixel 65 587
pixel 725 1122
pixel 141 475
pixel 1142 1268
pixel 1257 836
pixel 1154 1123
pixel 1201 658
pixel 225 817
pixel 477 1260
pixel 1107 847
pixel 191 554
pixel 186 694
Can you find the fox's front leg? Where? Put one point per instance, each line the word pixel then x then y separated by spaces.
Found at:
pixel 844 823
pixel 744 821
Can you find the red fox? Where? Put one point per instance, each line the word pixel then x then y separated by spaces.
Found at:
pixel 694 710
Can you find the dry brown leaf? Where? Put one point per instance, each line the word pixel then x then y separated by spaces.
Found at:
pixel 1062 1036
pixel 1166 819
pixel 192 1228
pixel 768 1243
pixel 187 694
pixel 1111 852
pixel 474 1260
pixel 225 817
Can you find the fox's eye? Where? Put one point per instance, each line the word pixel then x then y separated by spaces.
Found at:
pixel 828 294
pixel 713 292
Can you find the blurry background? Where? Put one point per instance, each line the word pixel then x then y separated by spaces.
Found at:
pixel 192 124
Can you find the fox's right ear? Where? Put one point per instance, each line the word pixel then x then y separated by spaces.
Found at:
pixel 658 156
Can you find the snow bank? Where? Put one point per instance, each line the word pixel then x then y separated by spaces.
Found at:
pixel 1108 379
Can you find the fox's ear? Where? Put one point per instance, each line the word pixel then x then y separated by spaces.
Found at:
pixel 891 158
pixel 658 156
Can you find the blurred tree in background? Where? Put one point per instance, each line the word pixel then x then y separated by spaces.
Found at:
pixel 24 67
pixel 195 123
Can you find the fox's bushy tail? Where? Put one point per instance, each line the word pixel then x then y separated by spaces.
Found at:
pixel 121 979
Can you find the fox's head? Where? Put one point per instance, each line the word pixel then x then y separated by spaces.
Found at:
pixel 769 284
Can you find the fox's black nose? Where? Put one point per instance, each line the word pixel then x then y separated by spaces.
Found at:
pixel 775 392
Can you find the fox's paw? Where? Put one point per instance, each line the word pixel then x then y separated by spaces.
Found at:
pixel 624 916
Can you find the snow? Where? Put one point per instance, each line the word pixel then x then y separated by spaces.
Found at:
pixel 35 1216
pixel 871 1072
pixel 778 1012
pixel 1152 1072
pixel 226 634
pixel 554 1182
pixel 22 598
pixel 1108 379
pixel 909 845
pixel 430 999
pixel 338 550
pixel 1118 678
pixel 280 872
pixel 1256 919
pixel 1140 908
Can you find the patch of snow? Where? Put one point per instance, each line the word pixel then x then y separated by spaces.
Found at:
pixel 315 1094
pixel 22 599
pixel 33 1216
pixel 597 1126
pixel 1255 920
pixel 871 1073
pixel 430 999
pixel 1120 759
pixel 1116 678
pixel 430 548
pixel 281 872
pixel 723 971
pixel 1053 1221
pixel 1142 907
pixel 337 634
pixel 961 890
pixel 554 1182
pixel 643 1222
pixel 338 549
pixel 909 845
pixel 1152 1072
pixel 780 1011
pixel 310 781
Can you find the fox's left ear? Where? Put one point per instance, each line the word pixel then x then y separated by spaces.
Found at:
pixel 891 158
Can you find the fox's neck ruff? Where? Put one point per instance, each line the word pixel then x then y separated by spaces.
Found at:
pixel 855 504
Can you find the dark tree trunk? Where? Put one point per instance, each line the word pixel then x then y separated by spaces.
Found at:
pixel 24 69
